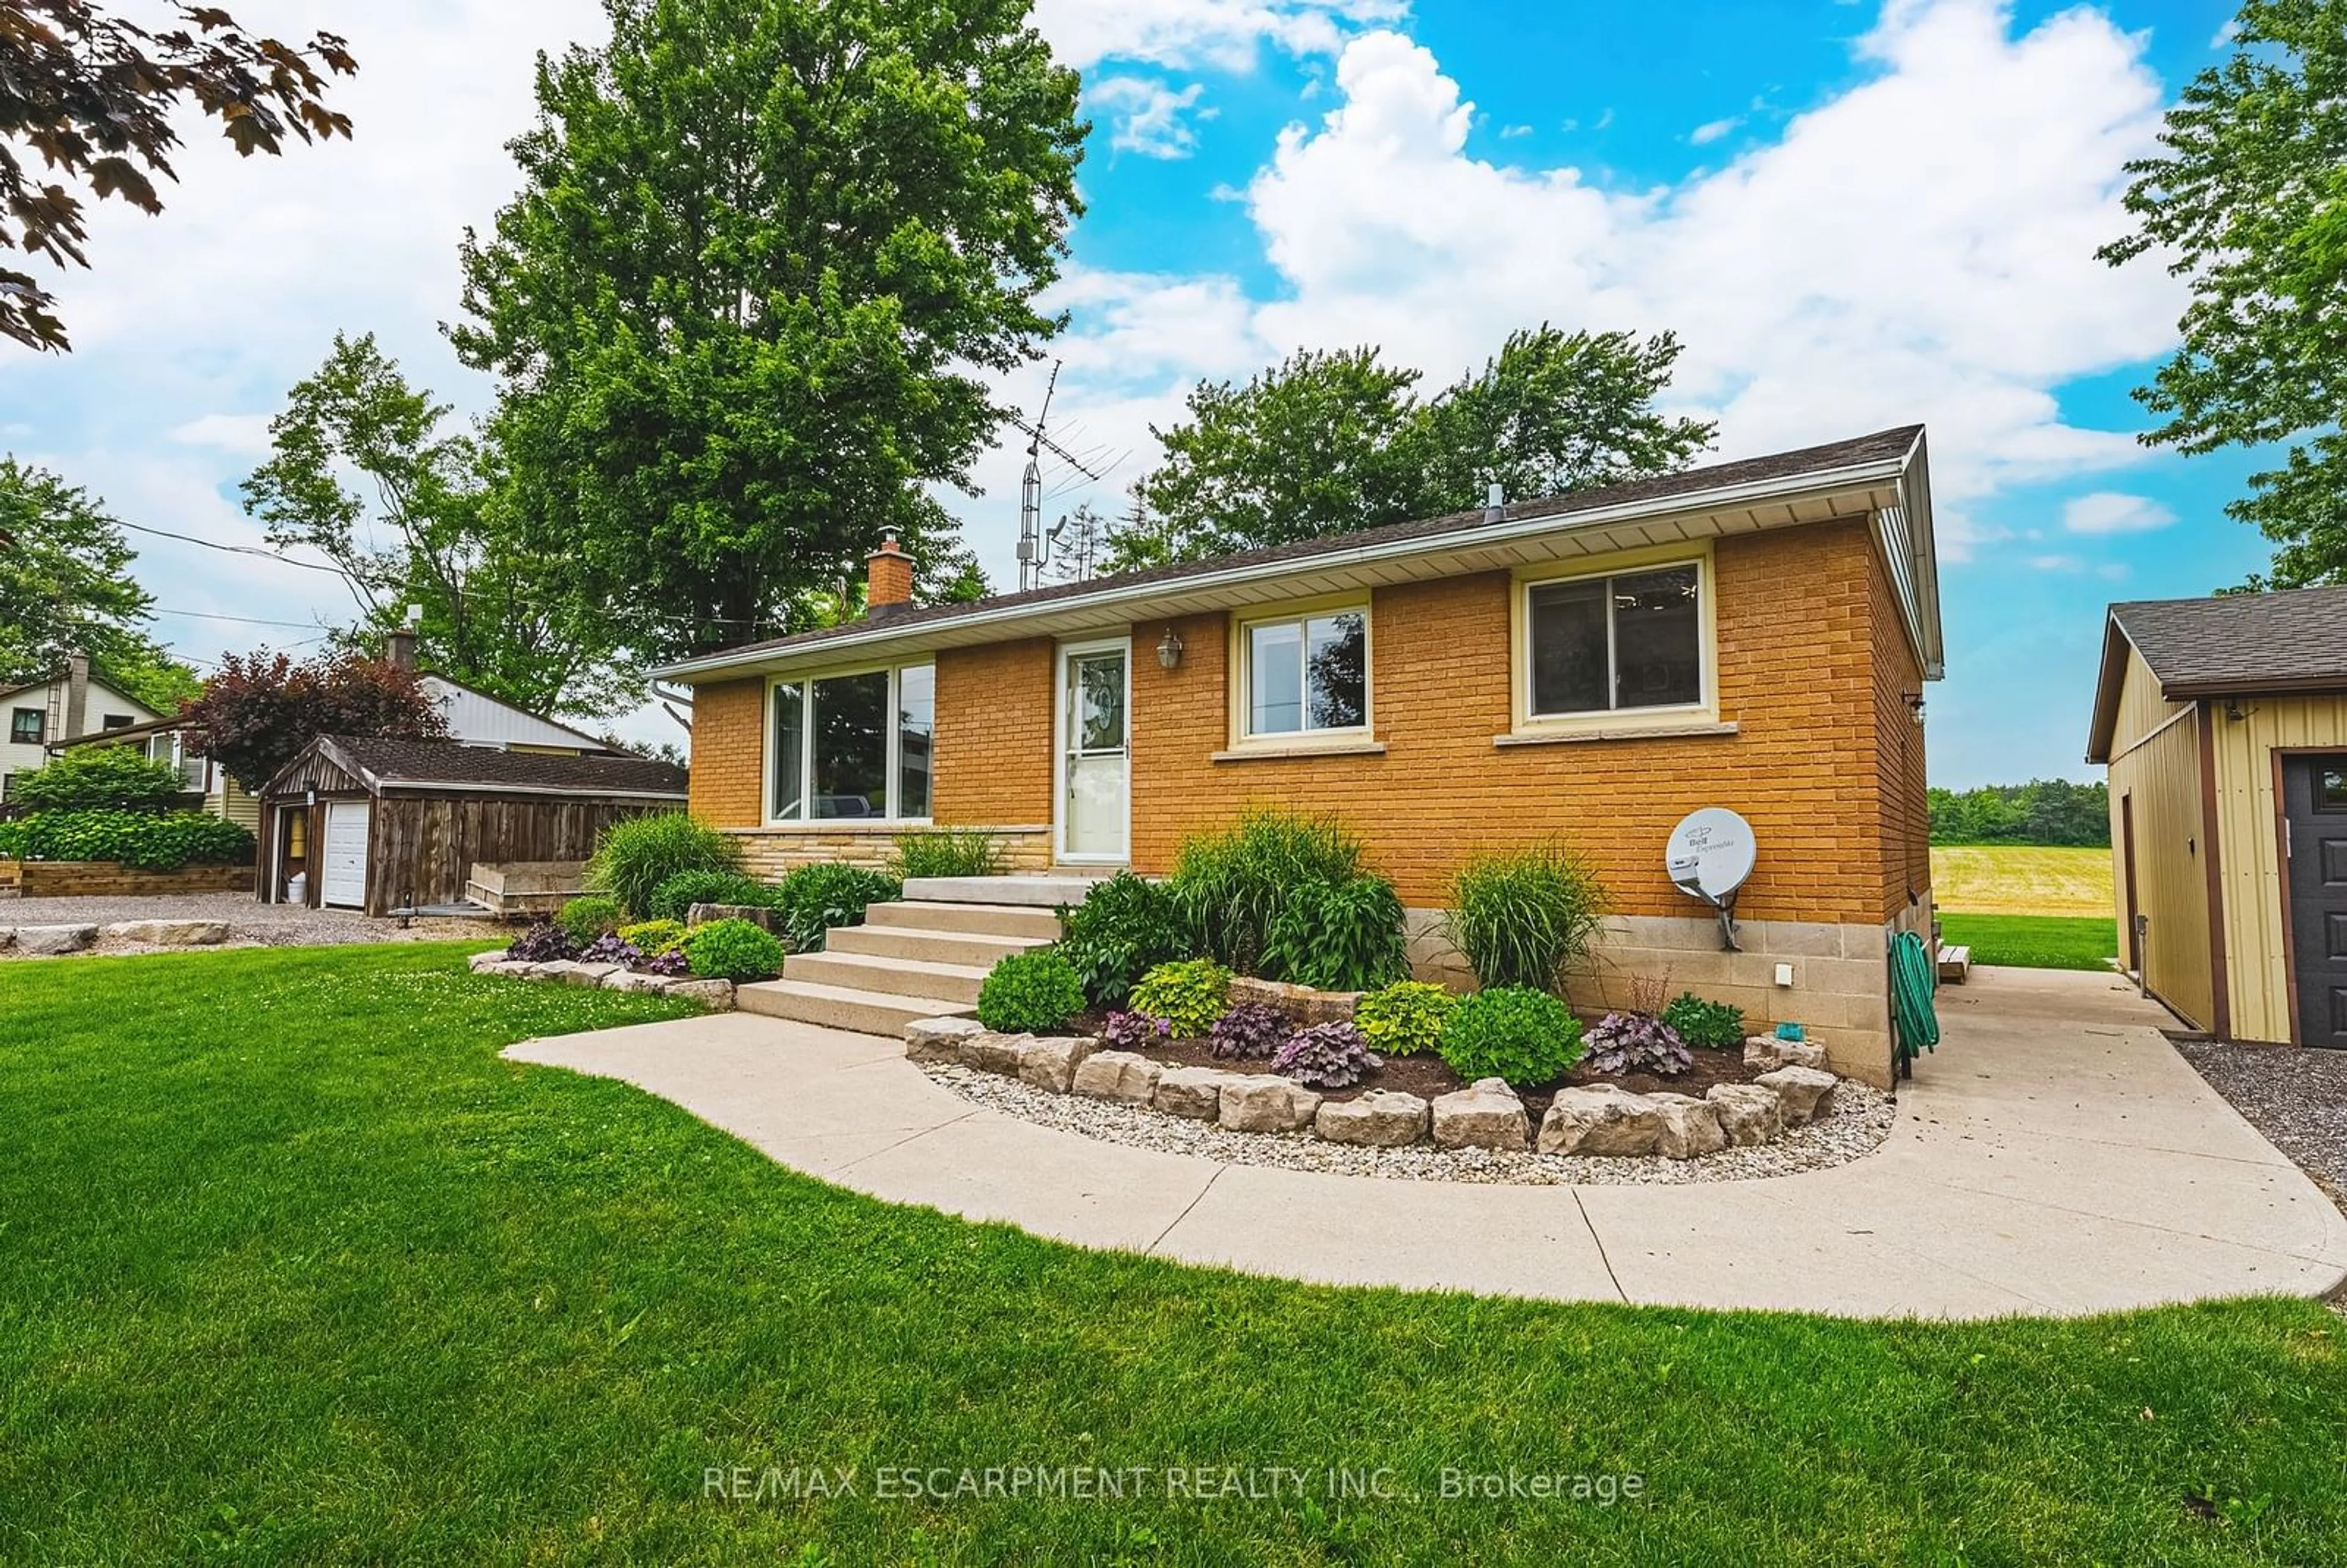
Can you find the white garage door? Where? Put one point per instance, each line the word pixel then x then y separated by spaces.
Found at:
pixel 344 870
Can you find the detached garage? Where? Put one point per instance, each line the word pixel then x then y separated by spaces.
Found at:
pixel 2224 724
pixel 377 825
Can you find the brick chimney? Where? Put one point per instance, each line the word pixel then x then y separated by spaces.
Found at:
pixel 74 720
pixel 888 583
pixel 400 646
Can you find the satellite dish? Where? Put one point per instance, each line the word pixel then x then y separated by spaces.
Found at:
pixel 1710 853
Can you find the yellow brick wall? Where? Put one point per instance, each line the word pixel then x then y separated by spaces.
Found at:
pixel 729 750
pixel 1797 656
pixel 994 738
pixel 1904 812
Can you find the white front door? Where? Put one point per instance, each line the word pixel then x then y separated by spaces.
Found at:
pixel 1095 758
pixel 343 868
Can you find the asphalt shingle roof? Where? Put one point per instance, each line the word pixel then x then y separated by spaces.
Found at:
pixel 1884 446
pixel 413 762
pixel 2291 640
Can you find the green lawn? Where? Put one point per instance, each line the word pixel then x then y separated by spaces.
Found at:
pixel 294 1270
pixel 2034 941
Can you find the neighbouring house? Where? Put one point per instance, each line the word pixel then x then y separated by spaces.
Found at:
pixel 1755 635
pixel 380 825
pixel 473 717
pixel 2224 724
pixel 75 703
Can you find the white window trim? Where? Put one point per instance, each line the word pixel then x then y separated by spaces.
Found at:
pixel 1699 716
pixel 807 684
pixel 1351 738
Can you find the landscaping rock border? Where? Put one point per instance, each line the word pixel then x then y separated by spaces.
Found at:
pixel 1736 1125
pixel 717 996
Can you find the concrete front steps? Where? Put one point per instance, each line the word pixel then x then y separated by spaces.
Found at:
pixel 920 958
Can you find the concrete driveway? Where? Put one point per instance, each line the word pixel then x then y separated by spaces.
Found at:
pixel 2054 1157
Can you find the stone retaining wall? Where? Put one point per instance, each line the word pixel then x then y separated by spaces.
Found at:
pixel 768 852
pixel 717 996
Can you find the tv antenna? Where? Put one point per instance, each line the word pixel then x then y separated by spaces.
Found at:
pixel 1035 541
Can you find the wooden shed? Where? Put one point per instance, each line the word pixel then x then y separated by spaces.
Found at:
pixel 2224 724
pixel 381 825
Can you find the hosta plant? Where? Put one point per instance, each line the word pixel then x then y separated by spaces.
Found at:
pixel 1189 995
pixel 1250 1029
pixel 1326 1056
pixel 1716 1026
pixel 1637 1042
pixel 1134 1032
pixel 1404 1018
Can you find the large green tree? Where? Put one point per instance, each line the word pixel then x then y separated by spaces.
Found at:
pixel 65 587
pixel 2249 200
pixel 1328 443
pixel 763 254
pixel 94 95
pixel 421 528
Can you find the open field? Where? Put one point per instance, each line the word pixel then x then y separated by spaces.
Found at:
pixel 293 1269
pixel 2021 879
pixel 2034 941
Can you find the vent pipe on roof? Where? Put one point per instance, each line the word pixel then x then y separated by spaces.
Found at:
pixel 1495 502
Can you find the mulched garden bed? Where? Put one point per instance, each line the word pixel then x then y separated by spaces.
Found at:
pixel 1429 1076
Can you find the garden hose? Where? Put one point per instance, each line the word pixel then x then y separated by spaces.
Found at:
pixel 1914 981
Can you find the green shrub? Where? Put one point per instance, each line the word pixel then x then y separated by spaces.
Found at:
pixel 586 918
pixel 1516 1032
pixel 673 899
pixel 1716 1025
pixel 637 856
pixel 1520 918
pixel 142 840
pixel 811 899
pixel 1189 996
pixel 1125 926
pixel 1033 992
pixel 1231 887
pixel 99 778
pixel 733 950
pixel 946 852
pixel 1339 936
pixel 1405 1018
pixel 654 938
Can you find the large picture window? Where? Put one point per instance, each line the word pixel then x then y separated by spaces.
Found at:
pixel 849 747
pixel 1307 674
pixel 1604 643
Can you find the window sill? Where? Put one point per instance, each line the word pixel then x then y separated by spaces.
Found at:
pixel 890 824
pixel 1679 731
pixel 1256 751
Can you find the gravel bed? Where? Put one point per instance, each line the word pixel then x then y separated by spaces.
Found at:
pixel 252 924
pixel 2295 1095
pixel 1863 1118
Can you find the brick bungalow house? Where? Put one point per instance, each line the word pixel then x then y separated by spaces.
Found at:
pixel 1753 635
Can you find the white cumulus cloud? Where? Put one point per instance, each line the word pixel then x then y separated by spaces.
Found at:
pixel 2110 512
pixel 1148 116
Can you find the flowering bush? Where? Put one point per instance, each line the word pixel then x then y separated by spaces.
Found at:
pixel 543 943
pixel 1637 1042
pixel 1525 1036
pixel 1326 1056
pixel 1250 1029
pixel 1134 1030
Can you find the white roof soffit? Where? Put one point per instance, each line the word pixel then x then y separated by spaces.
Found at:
pixel 1895 492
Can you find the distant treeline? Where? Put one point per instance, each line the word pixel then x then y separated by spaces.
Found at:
pixel 2043 811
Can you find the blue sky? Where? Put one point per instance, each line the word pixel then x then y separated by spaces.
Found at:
pixel 1855 215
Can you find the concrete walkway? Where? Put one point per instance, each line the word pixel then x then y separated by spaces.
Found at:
pixel 2054 1157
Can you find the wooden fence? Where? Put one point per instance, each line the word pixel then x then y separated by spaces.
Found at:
pixel 107 879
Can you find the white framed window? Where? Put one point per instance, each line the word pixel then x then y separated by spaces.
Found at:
pixel 851 746
pixel 1631 642
pixel 1304 674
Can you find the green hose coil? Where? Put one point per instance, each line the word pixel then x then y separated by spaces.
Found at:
pixel 1914 981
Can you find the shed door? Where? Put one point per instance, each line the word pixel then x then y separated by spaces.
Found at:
pixel 343 865
pixel 2314 792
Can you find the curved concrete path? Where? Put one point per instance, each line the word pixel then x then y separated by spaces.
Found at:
pixel 2054 1157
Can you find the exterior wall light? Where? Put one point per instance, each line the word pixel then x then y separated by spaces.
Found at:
pixel 1169 651
pixel 1915 705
